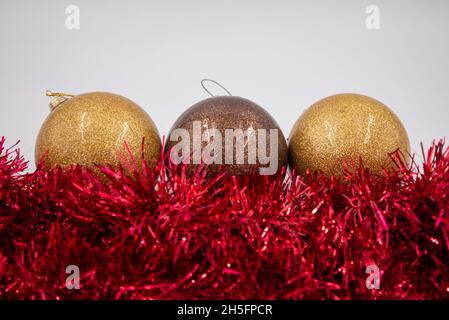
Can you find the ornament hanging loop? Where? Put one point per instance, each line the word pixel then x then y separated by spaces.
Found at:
pixel 57 98
pixel 203 84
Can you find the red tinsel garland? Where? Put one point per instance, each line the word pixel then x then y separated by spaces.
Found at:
pixel 162 234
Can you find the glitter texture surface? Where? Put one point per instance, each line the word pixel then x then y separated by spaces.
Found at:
pixel 344 128
pixel 92 128
pixel 230 112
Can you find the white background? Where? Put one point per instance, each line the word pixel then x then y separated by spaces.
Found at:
pixel 283 55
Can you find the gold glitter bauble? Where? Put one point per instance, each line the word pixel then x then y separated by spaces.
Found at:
pixel 346 128
pixel 92 128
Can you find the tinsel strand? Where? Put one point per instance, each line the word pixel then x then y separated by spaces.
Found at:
pixel 164 234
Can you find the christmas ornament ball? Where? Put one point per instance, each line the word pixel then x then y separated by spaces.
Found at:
pixel 92 128
pixel 345 128
pixel 221 120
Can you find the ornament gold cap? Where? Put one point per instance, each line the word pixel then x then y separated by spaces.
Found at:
pixel 57 98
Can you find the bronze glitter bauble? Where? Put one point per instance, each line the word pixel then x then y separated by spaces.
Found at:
pixel 347 128
pixel 212 129
pixel 92 128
